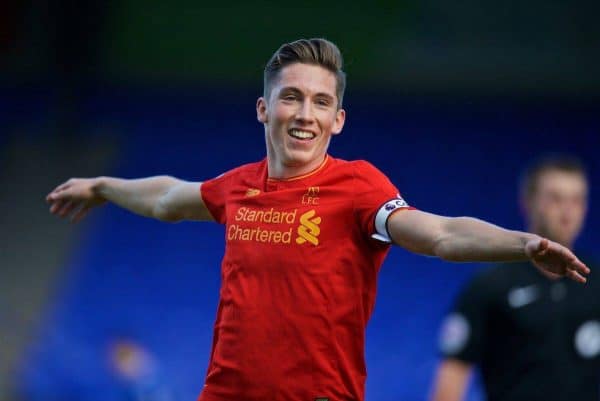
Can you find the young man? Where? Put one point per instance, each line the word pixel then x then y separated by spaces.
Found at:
pixel 305 237
pixel 534 336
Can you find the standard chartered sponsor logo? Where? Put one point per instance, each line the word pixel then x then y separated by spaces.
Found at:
pixel 269 226
pixel 270 216
pixel 309 229
pixel 258 234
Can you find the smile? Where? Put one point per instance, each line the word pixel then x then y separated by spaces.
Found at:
pixel 302 135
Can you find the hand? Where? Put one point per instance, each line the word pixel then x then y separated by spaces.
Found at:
pixel 75 198
pixel 556 259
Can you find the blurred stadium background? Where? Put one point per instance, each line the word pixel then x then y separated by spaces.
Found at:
pixel 450 99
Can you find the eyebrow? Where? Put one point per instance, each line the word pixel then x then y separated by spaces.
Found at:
pixel 296 90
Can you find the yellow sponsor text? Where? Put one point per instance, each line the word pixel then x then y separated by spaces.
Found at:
pixel 258 234
pixel 270 216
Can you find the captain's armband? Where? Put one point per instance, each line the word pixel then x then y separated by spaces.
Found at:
pixel 382 216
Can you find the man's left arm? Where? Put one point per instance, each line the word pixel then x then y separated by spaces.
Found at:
pixel 466 239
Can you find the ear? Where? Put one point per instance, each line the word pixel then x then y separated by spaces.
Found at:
pixel 338 124
pixel 261 110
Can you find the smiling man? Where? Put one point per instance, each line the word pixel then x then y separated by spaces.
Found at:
pixel 306 235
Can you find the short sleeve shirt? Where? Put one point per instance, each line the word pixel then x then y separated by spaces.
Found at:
pixel 298 280
pixel 533 338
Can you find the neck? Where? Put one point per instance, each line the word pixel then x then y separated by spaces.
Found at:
pixel 281 171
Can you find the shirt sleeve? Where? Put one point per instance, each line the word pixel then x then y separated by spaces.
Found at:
pixel 214 194
pixel 463 330
pixel 375 200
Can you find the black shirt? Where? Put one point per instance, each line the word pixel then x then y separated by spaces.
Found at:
pixel 533 338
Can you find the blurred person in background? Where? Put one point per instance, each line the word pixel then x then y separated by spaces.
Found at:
pixel 306 235
pixel 533 335
pixel 138 371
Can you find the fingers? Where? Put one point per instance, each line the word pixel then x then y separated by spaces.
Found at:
pixel 575 269
pixel 579 267
pixel 543 246
pixel 56 192
pixel 75 211
pixel 63 208
pixel 555 258
pixel 572 262
pixel 72 199
pixel 56 206
pixel 575 276
pixel 56 195
pixel 80 214
pixel 66 208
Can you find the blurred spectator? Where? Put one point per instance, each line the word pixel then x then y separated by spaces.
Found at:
pixel 138 370
pixel 101 366
pixel 533 335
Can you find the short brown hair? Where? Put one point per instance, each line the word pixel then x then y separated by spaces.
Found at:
pixel 531 175
pixel 316 51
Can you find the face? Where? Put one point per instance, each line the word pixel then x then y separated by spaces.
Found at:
pixel 557 208
pixel 300 116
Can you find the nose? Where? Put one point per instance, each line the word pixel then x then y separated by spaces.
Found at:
pixel 305 111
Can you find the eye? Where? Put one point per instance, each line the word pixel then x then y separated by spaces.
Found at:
pixel 290 97
pixel 323 102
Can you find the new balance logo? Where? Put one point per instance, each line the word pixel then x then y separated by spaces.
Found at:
pixel 309 230
pixel 252 192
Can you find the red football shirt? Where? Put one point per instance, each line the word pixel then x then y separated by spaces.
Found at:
pixel 298 280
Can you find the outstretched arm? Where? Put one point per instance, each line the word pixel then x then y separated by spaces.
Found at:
pixel 465 239
pixel 451 380
pixel 162 197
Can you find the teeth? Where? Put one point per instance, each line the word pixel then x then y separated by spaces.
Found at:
pixel 302 134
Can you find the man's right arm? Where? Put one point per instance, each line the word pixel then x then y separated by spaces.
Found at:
pixel 451 380
pixel 162 197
